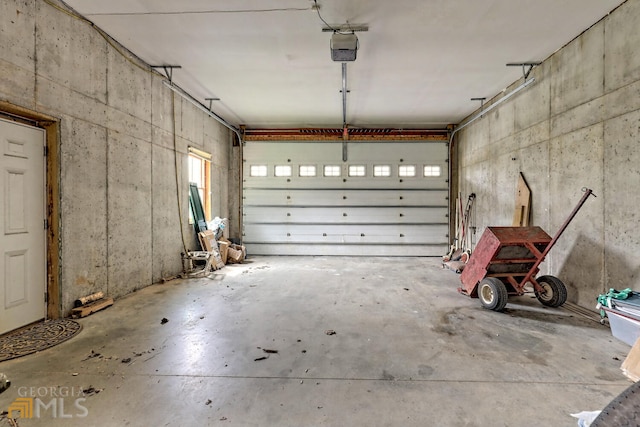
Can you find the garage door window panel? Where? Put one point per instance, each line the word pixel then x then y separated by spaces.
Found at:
pixel 407 171
pixel 283 170
pixel 382 170
pixel 307 170
pixel 259 171
pixel 357 170
pixel 332 170
pixel 432 171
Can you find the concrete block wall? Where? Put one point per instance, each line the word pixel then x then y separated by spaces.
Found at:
pixel 577 126
pixel 120 227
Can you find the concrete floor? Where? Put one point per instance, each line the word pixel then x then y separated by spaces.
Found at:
pixel 408 351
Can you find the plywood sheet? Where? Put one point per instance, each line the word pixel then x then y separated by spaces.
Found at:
pixel 522 211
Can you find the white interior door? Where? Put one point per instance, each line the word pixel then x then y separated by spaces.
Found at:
pixel 22 214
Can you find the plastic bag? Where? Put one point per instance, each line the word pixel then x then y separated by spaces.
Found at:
pixel 585 418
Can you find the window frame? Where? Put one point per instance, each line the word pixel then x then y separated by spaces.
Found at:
pixel 199 172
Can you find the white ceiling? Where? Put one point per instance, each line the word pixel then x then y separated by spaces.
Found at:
pixel 269 61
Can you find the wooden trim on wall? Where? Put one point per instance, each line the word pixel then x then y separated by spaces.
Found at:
pixel 52 127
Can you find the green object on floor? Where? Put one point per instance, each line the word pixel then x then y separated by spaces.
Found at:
pixel 605 299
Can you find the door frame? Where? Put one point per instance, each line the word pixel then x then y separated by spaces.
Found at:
pixel 51 125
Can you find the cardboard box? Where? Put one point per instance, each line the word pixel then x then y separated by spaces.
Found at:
pixel 240 248
pixel 209 244
pixel 224 247
pixel 234 256
pixel 208 240
pixel 631 365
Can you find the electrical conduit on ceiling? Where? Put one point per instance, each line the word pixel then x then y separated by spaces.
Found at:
pixel 478 115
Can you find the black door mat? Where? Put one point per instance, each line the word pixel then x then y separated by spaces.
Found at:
pixel 36 337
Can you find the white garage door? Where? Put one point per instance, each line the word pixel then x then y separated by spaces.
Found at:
pixel 388 198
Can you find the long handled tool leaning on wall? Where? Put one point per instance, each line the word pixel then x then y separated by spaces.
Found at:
pixel 460 249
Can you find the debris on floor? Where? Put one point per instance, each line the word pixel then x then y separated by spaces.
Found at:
pixel 92 355
pixel 330 332
pixel 126 360
pixel 90 304
pixel 91 390
pixel 208 402
pixel 261 358
pixel 4 382
pixel 217 251
pixel 585 418
pixel 87 299
pixel 212 261
pixel 266 350
pixel 236 254
pixel 13 422
pixel 164 320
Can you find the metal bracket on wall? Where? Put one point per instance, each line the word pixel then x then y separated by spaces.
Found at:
pixel 211 102
pixel 344 28
pixel 525 71
pixel 481 102
pixel 168 70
